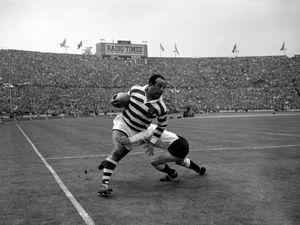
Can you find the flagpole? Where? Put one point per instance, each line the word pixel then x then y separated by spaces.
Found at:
pixel 174 57
pixel 176 99
pixel 10 97
pixel 175 89
pixel 283 48
pixel 161 49
pixel 235 50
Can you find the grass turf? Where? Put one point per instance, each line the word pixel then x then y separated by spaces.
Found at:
pixel 253 173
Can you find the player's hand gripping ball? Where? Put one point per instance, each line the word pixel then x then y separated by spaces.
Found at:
pixel 120 100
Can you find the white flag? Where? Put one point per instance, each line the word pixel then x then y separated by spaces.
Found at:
pixel 235 48
pixel 176 50
pixel 162 48
pixel 63 44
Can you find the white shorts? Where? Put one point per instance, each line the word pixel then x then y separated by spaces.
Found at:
pixel 166 139
pixel 119 124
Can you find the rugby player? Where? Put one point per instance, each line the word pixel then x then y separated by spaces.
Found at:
pixel 144 106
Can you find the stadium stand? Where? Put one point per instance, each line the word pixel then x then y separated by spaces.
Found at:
pixel 53 84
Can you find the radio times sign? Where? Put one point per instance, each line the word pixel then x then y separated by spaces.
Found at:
pixel 112 50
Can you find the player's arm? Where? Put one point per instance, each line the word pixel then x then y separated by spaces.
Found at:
pixel 137 138
pixel 161 123
pixel 143 136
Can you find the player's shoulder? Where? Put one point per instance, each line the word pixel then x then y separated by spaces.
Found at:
pixel 137 89
pixel 161 101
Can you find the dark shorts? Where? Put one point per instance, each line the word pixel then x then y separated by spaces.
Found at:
pixel 179 148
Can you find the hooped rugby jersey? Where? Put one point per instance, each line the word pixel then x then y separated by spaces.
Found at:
pixel 140 113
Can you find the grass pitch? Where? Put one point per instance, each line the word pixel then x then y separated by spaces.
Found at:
pixel 49 173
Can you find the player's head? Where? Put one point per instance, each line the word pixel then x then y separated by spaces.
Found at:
pixel 152 79
pixel 157 85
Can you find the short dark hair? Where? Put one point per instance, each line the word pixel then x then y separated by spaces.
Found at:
pixel 152 79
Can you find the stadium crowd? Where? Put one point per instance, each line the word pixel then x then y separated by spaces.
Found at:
pixel 50 83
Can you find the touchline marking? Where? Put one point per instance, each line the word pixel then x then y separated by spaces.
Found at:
pixel 191 150
pixel 87 219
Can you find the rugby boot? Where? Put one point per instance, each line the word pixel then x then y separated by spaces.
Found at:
pixel 202 170
pixel 168 177
pixel 105 190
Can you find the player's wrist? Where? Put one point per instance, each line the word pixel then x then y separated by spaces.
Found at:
pixel 153 140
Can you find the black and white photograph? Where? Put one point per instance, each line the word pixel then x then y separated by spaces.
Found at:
pixel 139 112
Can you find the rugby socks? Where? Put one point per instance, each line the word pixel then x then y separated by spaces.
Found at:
pixel 168 170
pixel 109 166
pixel 194 166
pixel 190 164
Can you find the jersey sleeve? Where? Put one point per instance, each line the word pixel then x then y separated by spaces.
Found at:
pixel 162 122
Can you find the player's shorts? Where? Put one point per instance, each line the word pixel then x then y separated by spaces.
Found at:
pixel 179 148
pixel 166 139
pixel 119 124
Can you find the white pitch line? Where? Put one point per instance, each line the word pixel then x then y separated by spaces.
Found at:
pixel 241 115
pixel 247 147
pixel 76 157
pixel 87 219
pixel 280 134
pixel 87 156
pixel 191 150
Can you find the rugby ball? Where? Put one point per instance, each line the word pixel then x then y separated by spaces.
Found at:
pixel 120 100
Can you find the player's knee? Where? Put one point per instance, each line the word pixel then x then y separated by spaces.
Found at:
pixel 157 166
pixel 118 153
pixel 180 162
pixel 184 162
pixel 153 163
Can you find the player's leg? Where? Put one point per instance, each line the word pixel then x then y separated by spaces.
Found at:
pixel 101 165
pixel 133 141
pixel 180 148
pixel 118 152
pixel 114 153
pixel 188 163
pixel 159 162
